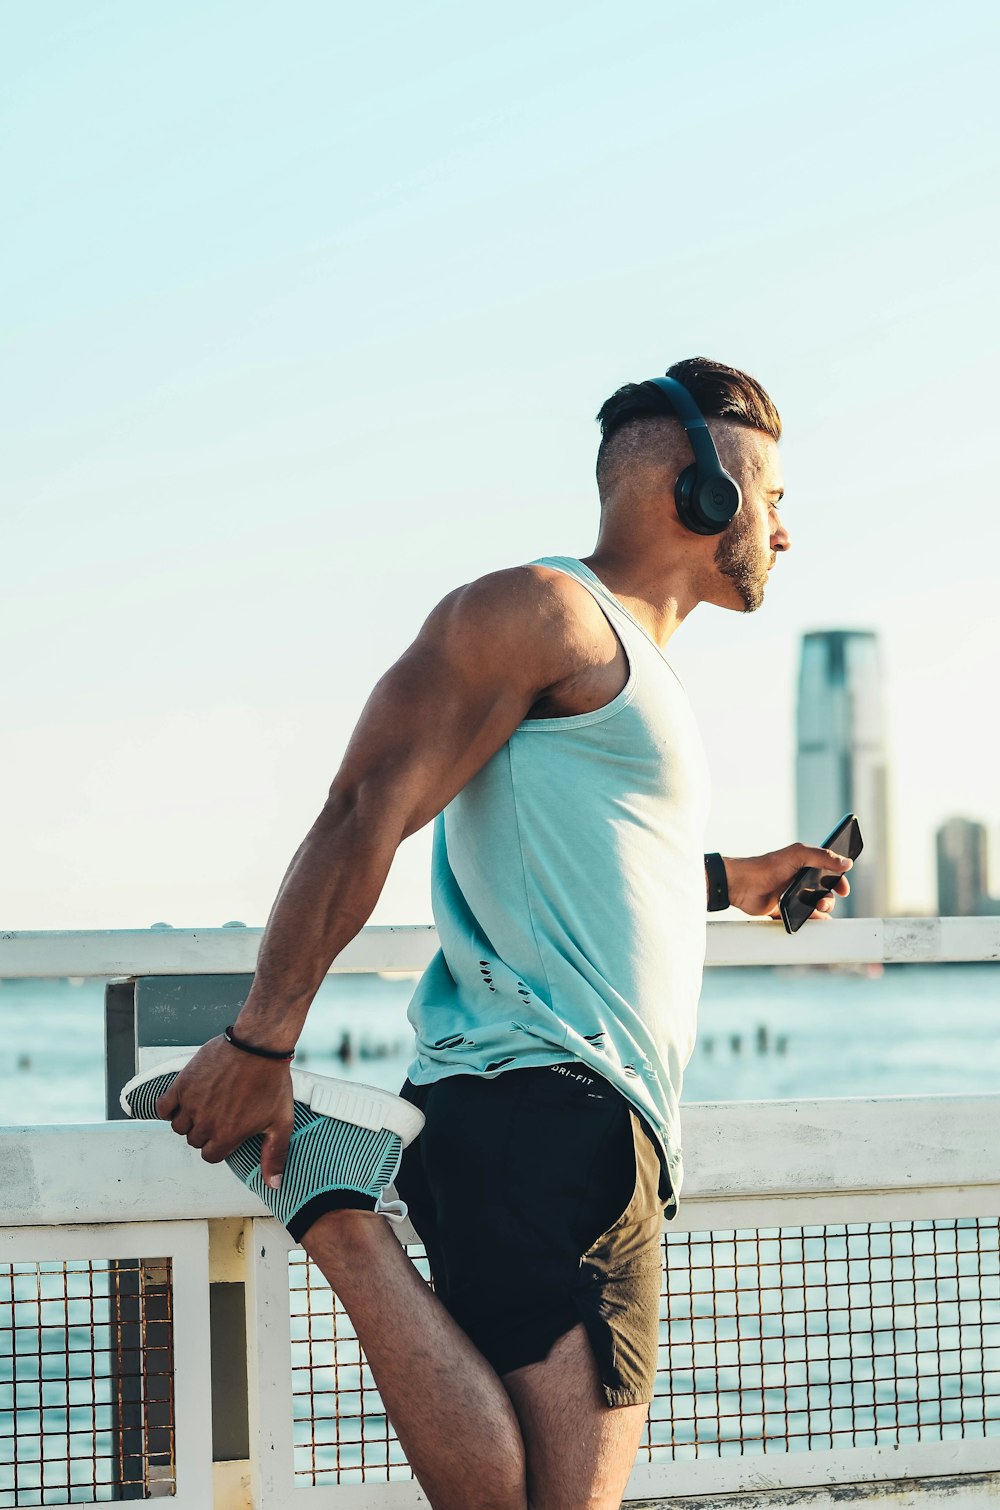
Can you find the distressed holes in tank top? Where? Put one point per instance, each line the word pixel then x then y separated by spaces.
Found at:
pixel 487 974
pixel 631 1071
pixel 596 1040
pixel 498 1064
pixel 455 1041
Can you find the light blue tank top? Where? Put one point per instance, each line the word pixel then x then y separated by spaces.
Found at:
pixel 568 890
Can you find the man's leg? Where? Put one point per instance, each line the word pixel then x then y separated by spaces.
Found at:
pixel 452 1414
pixel 580 1450
pixel 507 1229
pixel 453 1417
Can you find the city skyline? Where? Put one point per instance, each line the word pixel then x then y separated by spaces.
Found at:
pixel 843 765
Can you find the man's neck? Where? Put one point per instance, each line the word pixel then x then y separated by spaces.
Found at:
pixel 652 593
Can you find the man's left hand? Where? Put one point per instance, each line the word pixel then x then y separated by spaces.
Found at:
pixel 756 882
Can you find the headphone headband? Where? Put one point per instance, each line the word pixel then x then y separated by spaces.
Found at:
pixel 694 422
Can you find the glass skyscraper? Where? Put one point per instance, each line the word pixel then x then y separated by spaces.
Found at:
pixel 963 870
pixel 840 763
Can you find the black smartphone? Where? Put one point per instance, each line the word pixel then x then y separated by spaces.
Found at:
pixel 798 900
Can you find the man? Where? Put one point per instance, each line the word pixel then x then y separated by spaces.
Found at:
pixel 538 720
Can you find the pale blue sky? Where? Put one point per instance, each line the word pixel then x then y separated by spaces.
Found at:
pixel 307 315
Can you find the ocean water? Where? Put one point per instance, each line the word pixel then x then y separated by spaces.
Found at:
pixel 764 1032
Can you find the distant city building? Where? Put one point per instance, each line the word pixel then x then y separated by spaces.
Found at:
pixel 963 870
pixel 840 763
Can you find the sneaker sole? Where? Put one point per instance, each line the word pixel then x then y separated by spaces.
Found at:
pixel 345 1100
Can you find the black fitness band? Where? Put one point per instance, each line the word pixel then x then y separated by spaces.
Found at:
pixel 718 885
pixel 249 1048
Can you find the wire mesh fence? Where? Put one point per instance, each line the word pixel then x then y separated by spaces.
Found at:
pixel 771 1341
pixel 826 1337
pixel 86 1381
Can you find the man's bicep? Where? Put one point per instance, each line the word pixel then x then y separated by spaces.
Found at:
pixel 446 706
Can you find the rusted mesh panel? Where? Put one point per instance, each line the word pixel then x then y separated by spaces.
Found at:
pixel 827 1337
pixel 770 1341
pixel 86 1381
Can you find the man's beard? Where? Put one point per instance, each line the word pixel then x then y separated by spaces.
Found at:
pixel 737 556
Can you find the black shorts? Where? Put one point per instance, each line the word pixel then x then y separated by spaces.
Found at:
pixel 539 1198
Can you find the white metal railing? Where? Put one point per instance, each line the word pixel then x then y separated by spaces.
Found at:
pixel 233 950
pixel 772 1172
pixel 763 1169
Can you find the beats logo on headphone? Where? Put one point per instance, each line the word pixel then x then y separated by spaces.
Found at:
pixel 707 497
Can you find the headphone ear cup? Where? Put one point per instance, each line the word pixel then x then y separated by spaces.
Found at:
pixel 706 506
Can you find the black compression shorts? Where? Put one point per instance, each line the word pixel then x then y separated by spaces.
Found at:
pixel 539 1198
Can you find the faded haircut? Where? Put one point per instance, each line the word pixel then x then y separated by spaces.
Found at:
pixel 629 419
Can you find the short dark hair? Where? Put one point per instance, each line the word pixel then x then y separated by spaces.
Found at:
pixel 720 392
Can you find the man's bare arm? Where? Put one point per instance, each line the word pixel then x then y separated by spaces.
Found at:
pixel 487 653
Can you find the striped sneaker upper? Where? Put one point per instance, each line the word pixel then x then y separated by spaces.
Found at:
pixel 325 1154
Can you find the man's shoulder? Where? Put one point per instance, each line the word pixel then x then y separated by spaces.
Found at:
pixel 531 619
pixel 534 591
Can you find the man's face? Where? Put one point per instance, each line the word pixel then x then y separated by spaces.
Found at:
pixel 747 549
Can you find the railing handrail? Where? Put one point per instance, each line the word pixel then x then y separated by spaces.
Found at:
pixel 753 1153
pixel 124 953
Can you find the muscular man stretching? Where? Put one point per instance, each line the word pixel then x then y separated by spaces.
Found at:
pixel 538 720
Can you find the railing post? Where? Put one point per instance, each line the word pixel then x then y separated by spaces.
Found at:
pixel 124 1285
pixel 119 1044
pixel 228 1326
pixel 157 1376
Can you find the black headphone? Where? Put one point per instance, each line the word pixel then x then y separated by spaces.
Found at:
pixel 707 497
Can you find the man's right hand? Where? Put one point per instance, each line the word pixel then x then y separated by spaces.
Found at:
pixel 224 1096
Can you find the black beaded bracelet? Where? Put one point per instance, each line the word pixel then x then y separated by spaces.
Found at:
pixel 718 884
pixel 249 1048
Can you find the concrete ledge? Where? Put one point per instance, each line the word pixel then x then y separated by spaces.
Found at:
pixel 953 1492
